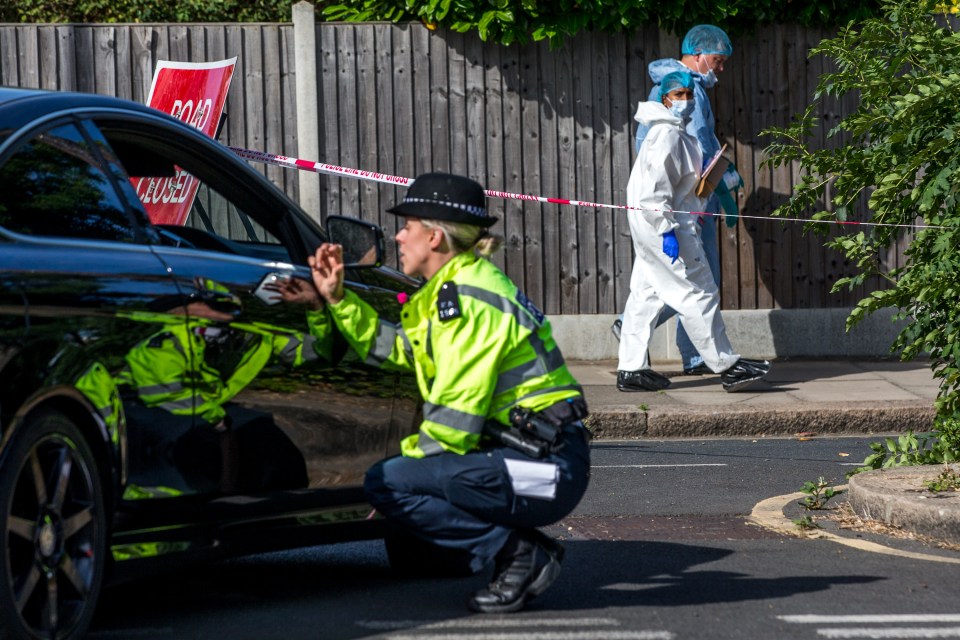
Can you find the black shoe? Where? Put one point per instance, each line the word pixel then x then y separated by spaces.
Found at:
pixel 697 370
pixel 743 374
pixel 643 380
pixel 528 563
pixel 615 328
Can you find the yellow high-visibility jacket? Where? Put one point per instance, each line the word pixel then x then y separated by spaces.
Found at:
pixel 478 348
pixel 169 371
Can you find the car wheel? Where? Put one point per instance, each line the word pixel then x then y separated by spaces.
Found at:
pixel 412 557
pixel 54 531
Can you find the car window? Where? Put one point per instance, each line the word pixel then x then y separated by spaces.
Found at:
pixel 181 190
pixel 53 186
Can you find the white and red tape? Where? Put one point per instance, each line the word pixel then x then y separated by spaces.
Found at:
pixel 360 174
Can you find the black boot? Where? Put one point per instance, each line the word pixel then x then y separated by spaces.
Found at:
pixel 642 380
pixel 527 564
pixel 744 373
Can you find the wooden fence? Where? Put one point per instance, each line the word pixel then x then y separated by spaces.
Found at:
pixel 402 100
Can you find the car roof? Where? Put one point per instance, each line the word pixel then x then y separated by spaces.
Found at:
pixel 44 101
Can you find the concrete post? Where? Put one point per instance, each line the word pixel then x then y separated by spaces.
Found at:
pixel 308 136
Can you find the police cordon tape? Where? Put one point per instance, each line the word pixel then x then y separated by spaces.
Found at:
pixel 360 174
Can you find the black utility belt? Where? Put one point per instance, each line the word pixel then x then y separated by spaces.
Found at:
pixel 538 433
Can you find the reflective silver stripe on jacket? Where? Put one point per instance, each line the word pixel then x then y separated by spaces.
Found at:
pixel 539 392
pixel 452 418
pixel 174 405
pixel 309 353
pixel 428 445
pixel 289 351
pixel 407 347
pixel 506 305
pixel 545 361
pixel 383 343
pixel 157 389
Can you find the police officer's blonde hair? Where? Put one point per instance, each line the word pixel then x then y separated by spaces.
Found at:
pixel 467 237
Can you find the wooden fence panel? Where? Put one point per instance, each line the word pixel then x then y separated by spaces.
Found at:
pixel 551 246
pixel 531 240
pixel 403 100
pixel 569 276
pixel 585 185
pixel 511 224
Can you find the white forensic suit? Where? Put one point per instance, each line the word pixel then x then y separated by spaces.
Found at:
pixel 663 184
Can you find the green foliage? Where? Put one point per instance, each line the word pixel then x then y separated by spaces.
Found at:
pixel 509 21
pixel 806 523
pixel 503 21
pixel 948 480
pixel 940 446
pixel 114 11
pixel 901 147
pixel 818 494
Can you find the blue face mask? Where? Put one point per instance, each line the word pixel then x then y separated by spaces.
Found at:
pixel 683 109
pixel 708 78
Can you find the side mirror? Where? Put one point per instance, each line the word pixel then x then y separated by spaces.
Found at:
pixel 362 242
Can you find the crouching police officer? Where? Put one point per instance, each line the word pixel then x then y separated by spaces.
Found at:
pixel 501 449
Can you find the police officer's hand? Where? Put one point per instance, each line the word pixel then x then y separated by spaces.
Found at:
pixel 326 266
pixel 296 291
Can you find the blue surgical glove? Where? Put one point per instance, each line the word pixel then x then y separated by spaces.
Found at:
pixel 670 245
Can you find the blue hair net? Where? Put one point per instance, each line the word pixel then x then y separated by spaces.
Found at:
pixel 675 80
pixel 708 40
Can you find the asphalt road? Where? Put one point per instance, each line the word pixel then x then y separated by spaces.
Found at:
pixel 659 548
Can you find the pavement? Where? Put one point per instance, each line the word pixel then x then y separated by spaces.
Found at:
pixel 798 398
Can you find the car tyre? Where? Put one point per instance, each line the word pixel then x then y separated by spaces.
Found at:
pixel 54 523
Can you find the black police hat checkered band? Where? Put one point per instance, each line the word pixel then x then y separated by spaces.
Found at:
pixel 445 196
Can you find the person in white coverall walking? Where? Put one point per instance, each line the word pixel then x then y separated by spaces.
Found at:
pixel 670 267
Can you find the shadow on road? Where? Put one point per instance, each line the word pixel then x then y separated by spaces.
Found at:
pixel 349 592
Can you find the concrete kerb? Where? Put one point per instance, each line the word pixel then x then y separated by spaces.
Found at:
pixel 769 515
pixel 689 422
pixel 899 497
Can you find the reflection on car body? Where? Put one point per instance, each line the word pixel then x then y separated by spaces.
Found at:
pixel 156 400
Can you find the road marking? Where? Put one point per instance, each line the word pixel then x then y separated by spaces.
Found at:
pixel 632 586
pixel 414 627
pixel 549 635
pixel 388 625
pixel 130 633
pixel 904 632
pixel 769 514
pixel 654 466
pixel 813 618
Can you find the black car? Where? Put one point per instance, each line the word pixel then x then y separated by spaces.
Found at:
pixel 167 391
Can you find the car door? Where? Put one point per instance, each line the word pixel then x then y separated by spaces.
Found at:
pixel 78 268
pixel 274 387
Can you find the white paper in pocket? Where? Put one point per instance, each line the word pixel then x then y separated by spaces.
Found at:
pixel 533 479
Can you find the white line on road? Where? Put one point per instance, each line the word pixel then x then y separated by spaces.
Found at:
pixel 652 466
pixel 632 586
pixel 896 632
pixel 813 618
pixel 389 625
pixel 131 633
pixel 550 635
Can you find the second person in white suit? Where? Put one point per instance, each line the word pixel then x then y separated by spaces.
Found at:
pixel 670 267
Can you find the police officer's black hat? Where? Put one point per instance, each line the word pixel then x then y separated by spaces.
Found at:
pixel 444 196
